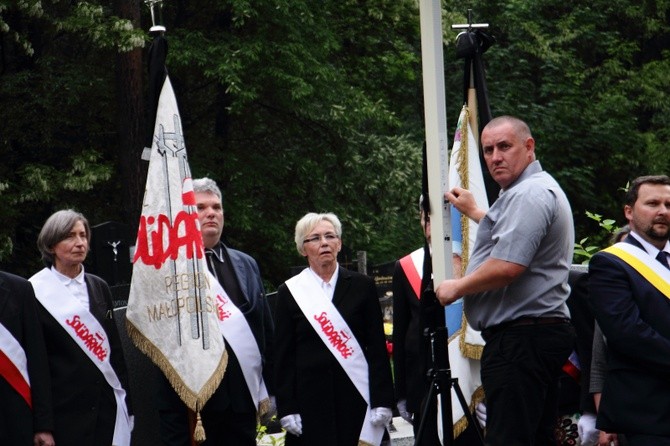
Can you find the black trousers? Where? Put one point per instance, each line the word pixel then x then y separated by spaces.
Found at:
pixel 647 440
pixel 520 370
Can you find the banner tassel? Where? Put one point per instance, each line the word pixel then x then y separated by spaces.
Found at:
pixel 199 432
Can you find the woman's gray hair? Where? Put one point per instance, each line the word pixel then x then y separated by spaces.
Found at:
pixel 308 222
pixel 56 229
pixel 207 185
pixel 620 234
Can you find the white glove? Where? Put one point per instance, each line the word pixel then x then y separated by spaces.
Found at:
pixel 131 422
pixel 381 416
pixel 480 413
pixel 272 411
pixel 292 423
pixel 402 410
pixel 586 427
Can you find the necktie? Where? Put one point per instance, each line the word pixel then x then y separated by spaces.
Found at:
pixel 210 262
pixel 663 258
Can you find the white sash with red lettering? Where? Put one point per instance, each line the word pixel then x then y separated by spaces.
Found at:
pixel 14 364
pixel 238 335
pixel 89 335
pixel 333 330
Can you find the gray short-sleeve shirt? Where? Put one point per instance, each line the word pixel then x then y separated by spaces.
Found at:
pixel 529 224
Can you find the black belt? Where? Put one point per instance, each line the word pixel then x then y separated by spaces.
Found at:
pixel 489 332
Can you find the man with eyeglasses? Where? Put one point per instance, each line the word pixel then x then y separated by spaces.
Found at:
pixel 230 415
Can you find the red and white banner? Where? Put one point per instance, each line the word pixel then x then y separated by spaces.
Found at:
pixel 172 313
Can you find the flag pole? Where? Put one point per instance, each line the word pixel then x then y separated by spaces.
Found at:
pixel 437 168
pixel 158 309
pixel 472 90
pixel 470 45
pixel 436 137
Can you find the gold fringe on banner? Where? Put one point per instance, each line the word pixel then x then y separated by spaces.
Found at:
pixel 462 170
pixel 193 401
pixel 473 351
pixel 263 408
pixel 462 424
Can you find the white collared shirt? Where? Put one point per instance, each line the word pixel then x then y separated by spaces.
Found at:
pixel 651 249
pixel 76 285
pixel 327 287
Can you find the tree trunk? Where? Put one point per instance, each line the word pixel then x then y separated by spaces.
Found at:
pixel 132 131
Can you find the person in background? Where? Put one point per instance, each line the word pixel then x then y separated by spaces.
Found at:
pixel 409 365
pixel 26 417
pixel 629 288
pixel 229 416
pixel 575 404
pixel 587 422
pixel 89 380
pixel 333 375
pixel 516 286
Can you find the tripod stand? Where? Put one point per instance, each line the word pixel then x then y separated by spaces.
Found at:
pixel 441 381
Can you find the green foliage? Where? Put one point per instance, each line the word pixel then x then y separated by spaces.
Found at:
pixel 587 76
pixel 295 107
pixel 264 439
pixel 321 117
pixel 586 247
pixel 103 30
pixel 58 142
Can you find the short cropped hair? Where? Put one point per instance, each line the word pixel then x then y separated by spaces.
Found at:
pixel 207 185
pixel 520 127
pixel 634 188
pixel 56 229
pixel 309 221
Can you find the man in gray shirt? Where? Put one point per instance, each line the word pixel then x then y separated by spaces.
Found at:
pixel 515 287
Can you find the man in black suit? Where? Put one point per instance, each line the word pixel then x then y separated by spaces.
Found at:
pixel 409 374
pixel 229 416
pixel 25 412
pixel 629 290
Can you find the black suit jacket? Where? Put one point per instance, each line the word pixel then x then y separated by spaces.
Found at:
pixel 18 314
pixel 233 390
pixel 635 319
pixel 408 362
pixel 84 404
pixel 233 393
pixel 308 378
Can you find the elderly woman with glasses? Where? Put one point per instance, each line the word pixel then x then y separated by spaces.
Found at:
pixel 86 364
pixel 333 376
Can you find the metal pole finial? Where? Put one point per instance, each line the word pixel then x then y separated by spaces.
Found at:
pixel 469 26
pixel 156 8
